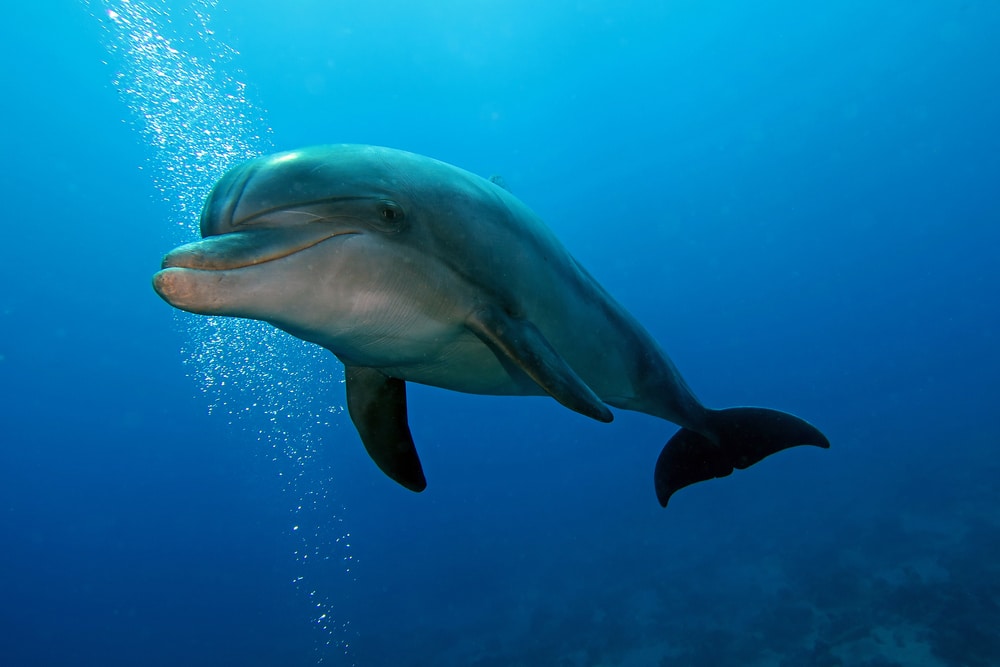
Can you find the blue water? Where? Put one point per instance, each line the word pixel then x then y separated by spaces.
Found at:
pixel 799 200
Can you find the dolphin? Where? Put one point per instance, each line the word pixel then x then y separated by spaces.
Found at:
pixel 409 269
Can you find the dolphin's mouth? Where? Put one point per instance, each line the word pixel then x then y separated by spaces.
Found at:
pixel 204 277
pixel 240 249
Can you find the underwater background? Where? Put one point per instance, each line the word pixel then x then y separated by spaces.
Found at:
pixel 798 200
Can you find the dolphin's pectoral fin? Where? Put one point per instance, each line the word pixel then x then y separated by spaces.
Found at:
pixel 377 404
pixel 519 341
pixel 744 436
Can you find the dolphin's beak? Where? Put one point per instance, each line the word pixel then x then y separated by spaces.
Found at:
pixel 190 274
pixel 248 247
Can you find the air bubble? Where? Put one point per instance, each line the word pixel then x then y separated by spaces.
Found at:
pixel 188 102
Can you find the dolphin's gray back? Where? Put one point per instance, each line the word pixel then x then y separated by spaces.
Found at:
pixel 508 252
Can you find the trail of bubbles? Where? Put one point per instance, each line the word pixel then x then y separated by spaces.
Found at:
pixel 179 82
pixel 173 74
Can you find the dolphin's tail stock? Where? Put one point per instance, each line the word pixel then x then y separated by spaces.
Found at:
pixel 743 436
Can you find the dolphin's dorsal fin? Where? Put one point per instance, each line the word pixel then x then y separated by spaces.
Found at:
pixel 522 343
pixel 377 404
pixel 497 179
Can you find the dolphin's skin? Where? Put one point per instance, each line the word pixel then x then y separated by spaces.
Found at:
pixel 410 269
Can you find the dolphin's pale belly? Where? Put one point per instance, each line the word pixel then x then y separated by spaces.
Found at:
pixel 406 340
pixel 467 365
pixel 411 344
pixel 436 347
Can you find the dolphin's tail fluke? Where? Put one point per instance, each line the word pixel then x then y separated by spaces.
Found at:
pixel 743 436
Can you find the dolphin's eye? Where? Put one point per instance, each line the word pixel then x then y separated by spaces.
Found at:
pixel 390 212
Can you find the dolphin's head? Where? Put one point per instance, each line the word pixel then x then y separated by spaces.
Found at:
pixel 319 242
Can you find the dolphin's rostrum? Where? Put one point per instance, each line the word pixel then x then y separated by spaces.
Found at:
pixel 412 270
